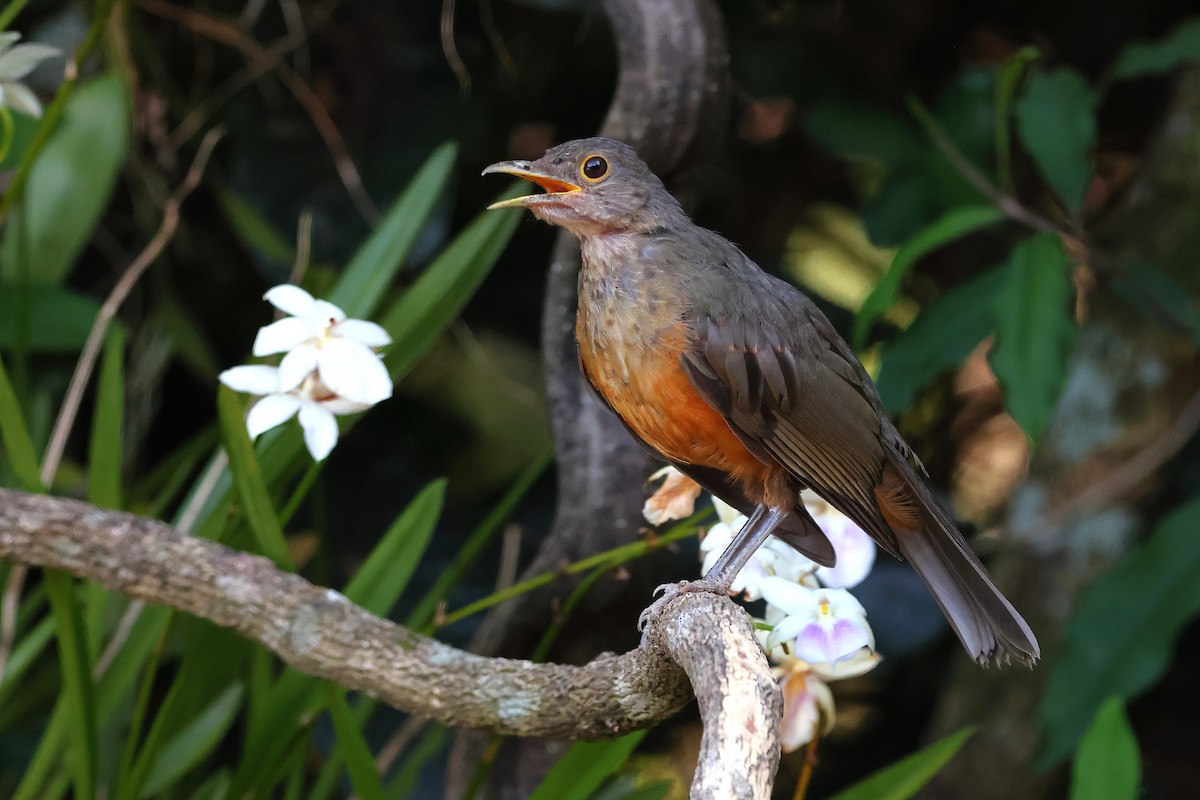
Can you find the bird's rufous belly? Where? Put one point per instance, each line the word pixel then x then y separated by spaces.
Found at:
pixel 654 397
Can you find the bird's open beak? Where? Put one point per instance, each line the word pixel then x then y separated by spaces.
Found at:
pixel 554 187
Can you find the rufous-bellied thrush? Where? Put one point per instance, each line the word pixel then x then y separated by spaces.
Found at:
pixel 740 381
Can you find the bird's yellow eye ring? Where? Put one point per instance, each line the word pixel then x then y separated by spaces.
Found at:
pixel 594 168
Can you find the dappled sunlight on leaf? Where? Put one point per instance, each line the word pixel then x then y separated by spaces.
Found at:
pixel 831 256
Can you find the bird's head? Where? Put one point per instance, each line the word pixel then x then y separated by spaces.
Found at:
pixel 592 186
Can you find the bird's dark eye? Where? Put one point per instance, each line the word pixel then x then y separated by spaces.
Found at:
pixel 594 168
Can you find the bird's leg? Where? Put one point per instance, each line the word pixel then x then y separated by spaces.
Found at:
pixel 717 580
pixel 761 524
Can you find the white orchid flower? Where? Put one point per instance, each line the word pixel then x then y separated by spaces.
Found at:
pixel 674 499
pixel 311 401
pixel 760 565
pixel 819 626
pixel 807 699
pixel 17 61
pixel 318 337
pixel 854 548
pixel 807 706
pixel 773 558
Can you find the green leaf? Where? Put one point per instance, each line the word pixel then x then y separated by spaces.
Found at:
pixel 70 184
pixel 375 264
pixel 24 653
pixel 906 777
pixel 585 767
pixel 359 762
pixel 473 547
pixel 1120 639
pixel 1150 58
pixel 248 476
pixel 215 788
pixel 18 448
pixel 104 460
pixel 282 720
pixel 195 741
pixel 951 226
pixel 940 338
pixel 1057 125
pixel 1107 764
pixel 1008 78
pixel 253 228
pixel 113 687
pixel 403 784
pixel 1156 294
pixel 379 582
pixel 418 318
pixel 77 680
pixel 1034 330
pixel 858 131
pixel 56 320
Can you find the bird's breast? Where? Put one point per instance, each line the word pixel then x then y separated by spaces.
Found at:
pixel 632 330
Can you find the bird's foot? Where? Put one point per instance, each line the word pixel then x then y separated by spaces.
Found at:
pixel 669 592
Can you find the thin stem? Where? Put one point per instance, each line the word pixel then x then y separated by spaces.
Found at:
pixel 564 614
pixel 203 25
pixel 91 349
pixel 609 559
pixel 810 764
pixel 1005 202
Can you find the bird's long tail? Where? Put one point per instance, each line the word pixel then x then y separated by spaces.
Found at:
pixel 989 627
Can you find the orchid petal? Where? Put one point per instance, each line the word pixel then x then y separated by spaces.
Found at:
pixel 362 331
pixel 859 663
pixel 272 410
pixel 291 299
pixel 855 551
pixel 326 314
pixel 251 378
pixel 719 537
pixel 21 98
pixel 352 370
pixel 297 365
pixel 23 59
pixel 320 430
pixel 830 641
pixel 282 335
pixel 790 597
pixel 342 407
pixel 800 712
pixel 727 513
pixel 7 40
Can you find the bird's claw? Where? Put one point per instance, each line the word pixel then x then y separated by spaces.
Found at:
pixel 669 591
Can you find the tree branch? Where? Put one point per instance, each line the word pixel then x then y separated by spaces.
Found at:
pixel 319 632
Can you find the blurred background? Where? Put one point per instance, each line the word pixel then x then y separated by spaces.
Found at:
pixel 1025 175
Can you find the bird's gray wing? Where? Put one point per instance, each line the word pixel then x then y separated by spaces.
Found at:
pixel 787 390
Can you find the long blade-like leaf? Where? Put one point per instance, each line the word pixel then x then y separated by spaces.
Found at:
pixel 359 763
pixel 195 741
pixel 104 458
pixel 905 778
pixel 373 267
pixel 248 476
pixel 379 582
pixel 77 680
pixel 17 445
pixel 585 767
